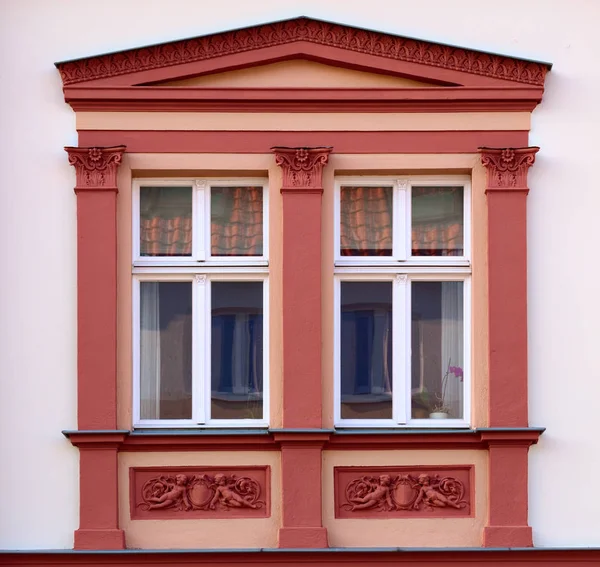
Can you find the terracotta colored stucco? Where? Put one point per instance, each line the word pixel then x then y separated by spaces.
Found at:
pixel 194 534
pixel 298 121
pixel 295 73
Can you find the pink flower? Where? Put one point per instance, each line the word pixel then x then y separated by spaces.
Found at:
pixel 457 371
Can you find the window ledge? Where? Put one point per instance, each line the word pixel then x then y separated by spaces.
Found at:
pixel 170 440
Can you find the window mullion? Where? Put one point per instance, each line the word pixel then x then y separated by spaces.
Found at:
pixel 400 219
pixel 401 347
pixel 200 335
pixel 200 204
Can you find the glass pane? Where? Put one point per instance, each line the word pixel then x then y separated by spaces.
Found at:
pixel 437 221
pixel 236 221
pixel 437 350
pixel 166 350
pixel 366 221
pixel 237 350
pixel 366 350
pixel 165 221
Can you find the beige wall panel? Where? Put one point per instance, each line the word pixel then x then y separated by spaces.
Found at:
pixel 193 534
pixel 298 121
pixel 386 164
pixel 209 165
pixel 296 73
pixel 405 532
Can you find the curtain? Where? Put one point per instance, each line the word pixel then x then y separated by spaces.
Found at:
pixel 453 346
pixel 150 364
pixel 366 221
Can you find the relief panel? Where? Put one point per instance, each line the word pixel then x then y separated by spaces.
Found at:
pixel 158 493
pixel 410 492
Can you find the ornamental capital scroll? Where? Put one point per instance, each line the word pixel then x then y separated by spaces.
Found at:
pixel 302 168
pixel 507 167
pixel 96 168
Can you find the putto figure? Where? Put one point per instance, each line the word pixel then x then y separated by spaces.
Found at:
pixel 164 493
pixel 406 492
pixel 226 495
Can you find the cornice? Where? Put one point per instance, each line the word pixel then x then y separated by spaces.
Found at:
pixel 309 31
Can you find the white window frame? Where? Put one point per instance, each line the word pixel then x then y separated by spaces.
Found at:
pixel 402 269
pixel 201 249
pixel 201 270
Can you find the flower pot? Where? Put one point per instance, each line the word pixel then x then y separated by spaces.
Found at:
pixel 438 415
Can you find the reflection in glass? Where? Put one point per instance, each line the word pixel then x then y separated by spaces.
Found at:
pixel 236 217
pixel 165 350
pixel 366 350
pixel 437 350
pixel 165 221
pixel 366 221
pixel 437 221
pixel 237 350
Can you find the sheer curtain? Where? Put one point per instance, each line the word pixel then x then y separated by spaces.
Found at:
pixel 453 346
pixel 149 350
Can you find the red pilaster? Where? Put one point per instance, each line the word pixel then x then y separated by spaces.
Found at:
pixel 302 190
pixel 96 188
pixel 301 457
pixel 507 264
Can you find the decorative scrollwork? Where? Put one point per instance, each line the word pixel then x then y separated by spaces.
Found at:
pixel 507 167
pixel 200 492
pixel 306 30
pixel 424 491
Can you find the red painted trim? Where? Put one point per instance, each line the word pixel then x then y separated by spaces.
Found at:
pixel 507 272
pixel 452 142
pixel 301 497
pixel 196 99
pixel 307 38
pixel 96 188
pixel 405 557
pixel 480 439
pixel 508 499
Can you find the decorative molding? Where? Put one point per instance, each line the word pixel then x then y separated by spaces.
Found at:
pixel 507 167
pixel 201 279
pixel 194 493
pixel 302 168
pixel 96 168
pixel 308 31
pixel 403 491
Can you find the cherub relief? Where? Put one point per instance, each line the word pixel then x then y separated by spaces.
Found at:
pixel 175 495
pixel 226 495
pixel 430 494
pixel 372 492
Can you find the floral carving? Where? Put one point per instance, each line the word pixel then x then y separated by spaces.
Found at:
pixel 96 168
pixel 200 492
pixel 408 492
pixel 306 30
pixel 507 167
pixel 302 167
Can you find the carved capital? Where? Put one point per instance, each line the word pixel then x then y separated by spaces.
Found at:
pixel 507 167
pixel 96 168
pixel 302 168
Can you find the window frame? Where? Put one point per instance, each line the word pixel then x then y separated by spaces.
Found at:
pixel 402 219
pixel 201 273
pixel 402 272
pixel 201 211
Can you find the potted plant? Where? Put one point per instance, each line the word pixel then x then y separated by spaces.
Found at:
pixel 441 409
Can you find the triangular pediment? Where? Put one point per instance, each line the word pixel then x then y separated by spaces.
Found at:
pixel 297 73
pixel 326 43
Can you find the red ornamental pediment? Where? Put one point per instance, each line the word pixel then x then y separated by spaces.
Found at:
pixel 155 73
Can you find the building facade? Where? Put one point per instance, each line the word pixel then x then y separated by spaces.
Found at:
pixel 304 305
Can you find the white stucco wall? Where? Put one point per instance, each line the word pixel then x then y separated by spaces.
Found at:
pixel 39 469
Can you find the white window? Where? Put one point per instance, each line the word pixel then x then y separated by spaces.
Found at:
pixel 402 301
pixel 200 303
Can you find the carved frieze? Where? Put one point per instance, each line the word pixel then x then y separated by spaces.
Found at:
pixel 159 493
pixel 364 492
